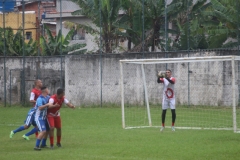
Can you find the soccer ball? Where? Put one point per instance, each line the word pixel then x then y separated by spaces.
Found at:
pixel 161 74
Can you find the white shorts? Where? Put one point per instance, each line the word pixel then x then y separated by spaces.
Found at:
pixel 168 103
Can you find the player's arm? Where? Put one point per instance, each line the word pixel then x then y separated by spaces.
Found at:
pixel 160 80
pixel 48 105
pixel 51 105
pixel 32 96
pixel 43 106
pixel 40 104
pixel 172 80
pixel 70 105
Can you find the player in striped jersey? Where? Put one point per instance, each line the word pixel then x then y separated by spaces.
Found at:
pixel 40 117
pixel 36 91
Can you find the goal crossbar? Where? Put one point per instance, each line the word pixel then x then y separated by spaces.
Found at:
pixel 176 60
pixel 181 60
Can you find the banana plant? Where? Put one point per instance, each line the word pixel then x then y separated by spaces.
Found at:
pixel 192 25
pixel 56 45
pixel 226 14
pixel 102 13
pixel 14 43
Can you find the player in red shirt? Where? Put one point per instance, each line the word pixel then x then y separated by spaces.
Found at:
pixel 36 91
pixel 168 97
pixel 53 115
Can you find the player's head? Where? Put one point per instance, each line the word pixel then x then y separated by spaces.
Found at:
pixel 60 93
pixel 168 73
pixel 45 90
pixel 38 83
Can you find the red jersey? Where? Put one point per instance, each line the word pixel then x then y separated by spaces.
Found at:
pixel 37 93
pixel 55 111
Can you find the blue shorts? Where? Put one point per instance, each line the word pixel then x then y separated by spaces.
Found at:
pixel 42 125
pixel 30 118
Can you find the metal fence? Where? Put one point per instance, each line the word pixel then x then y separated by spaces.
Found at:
pixel 91 80
pixel 38 39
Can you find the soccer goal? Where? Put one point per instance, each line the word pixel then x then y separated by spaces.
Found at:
pixel 206 92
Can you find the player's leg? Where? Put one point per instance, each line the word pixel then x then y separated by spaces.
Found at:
pixel 164 111
pixel 26 136
pixel 173 110
pixel 36 134
pixel 58 125
pixel 23 127
pixel 34 130
pixel 19 129
pixel 44 139
pixel 42 131
pixel 51 124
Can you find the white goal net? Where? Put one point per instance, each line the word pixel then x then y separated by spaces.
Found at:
pixel 206 92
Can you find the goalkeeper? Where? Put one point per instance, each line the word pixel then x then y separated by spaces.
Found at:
pixel 168 96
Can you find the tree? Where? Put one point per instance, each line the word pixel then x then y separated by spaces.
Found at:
pixel 14 43
pixel 205 24
pixel 192 25
pixel 131 22
pixel 51 45
pixel 226 15
pixel 102 13
pixel 198 24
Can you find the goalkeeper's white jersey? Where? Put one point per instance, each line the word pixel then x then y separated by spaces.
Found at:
pixel 168 88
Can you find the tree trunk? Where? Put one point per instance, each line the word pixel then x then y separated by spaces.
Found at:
pixel 129 42
pixel 138 48
pixel 106 42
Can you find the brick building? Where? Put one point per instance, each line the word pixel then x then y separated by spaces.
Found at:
pixel 41 7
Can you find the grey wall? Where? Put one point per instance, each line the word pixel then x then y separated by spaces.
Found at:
pixel 207 83
pixel 48 69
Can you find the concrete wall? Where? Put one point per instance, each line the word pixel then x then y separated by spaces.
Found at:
pixel 48 69
pixel 207 83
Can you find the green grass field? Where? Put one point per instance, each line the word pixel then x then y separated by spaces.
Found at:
pixel 96 133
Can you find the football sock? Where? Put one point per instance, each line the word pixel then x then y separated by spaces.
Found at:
pixel 44 142
pixel 163 116
pixel 34 130
pixel 173 116
pixel 58 139
pixel 36 133
pixel 51 140
pixel 38 141
pixel 19 129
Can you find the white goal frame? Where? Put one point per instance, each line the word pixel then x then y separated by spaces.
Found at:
pixel 143 62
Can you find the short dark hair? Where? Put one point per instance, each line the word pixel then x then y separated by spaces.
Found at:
pixel 43 88
pixel 169 70
pixel 60 91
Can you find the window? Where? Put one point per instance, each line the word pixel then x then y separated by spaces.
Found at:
pixel 79 34
pixel 28 35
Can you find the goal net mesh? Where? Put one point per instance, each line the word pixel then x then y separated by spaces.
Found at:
pixel 203 94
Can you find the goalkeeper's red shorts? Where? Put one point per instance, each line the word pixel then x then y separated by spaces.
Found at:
pixel 54 121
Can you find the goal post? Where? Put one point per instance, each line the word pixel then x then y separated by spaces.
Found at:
pixel 213 86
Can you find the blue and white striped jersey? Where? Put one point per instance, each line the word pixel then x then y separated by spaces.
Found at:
pixel 41 114
pixel 32 111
